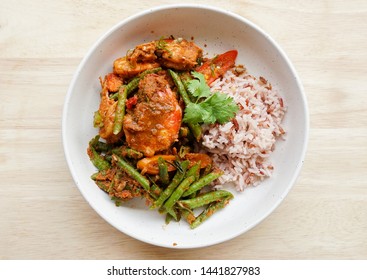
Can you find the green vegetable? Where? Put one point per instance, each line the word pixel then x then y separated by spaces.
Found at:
pixel 124 151
pixel 155 190
pixel 98 161
pixel 120 110
pixel 208 212
pixel 176 195
pixel 209 107
pixel 168 218
pixel 198 86
pixel 205 199
pixel 144 182
pixel 172 186
pixel 97 120
pixel 163 171
pixel 194 171
pixel 187 214
pixel 101 147
pixel 202 182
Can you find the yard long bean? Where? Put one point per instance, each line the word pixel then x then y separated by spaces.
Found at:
pixel 208 212
pixel 99 146
pixel 163 171
pixel 194 170
pixel 144 182
pixel 177 193
pixel 195 128
pixel 202 182
pixel 177 178
pixel 98 161
pixel 205 199
pixel 120 110
pixel 127 152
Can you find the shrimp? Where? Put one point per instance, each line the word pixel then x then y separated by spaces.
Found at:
pixel 178 54
pixel 124 68
pixel 143 53
pixel 153 123
pixel 107 108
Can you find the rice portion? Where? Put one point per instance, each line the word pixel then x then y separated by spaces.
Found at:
pixel 241 148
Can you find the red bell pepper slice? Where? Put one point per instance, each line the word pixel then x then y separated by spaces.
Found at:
pixel 216 67
pixel 131 102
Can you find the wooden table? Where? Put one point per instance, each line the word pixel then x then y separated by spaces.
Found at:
pixel 44 216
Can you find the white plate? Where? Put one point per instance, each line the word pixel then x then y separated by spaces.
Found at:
pixel 218 31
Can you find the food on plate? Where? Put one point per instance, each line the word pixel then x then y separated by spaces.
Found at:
pixel 174 126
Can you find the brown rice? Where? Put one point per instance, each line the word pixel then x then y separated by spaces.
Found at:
pixel 241 148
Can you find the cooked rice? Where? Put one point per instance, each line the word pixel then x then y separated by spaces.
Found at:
pixel 241 148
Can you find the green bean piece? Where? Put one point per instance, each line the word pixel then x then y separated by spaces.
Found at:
pixel 102 147
pixel 202 182
pixel 155 190
pixel 116 94
pixel 97 120
pixel 120 110
pixel 177 193
pixel 163 171
pixel 168 218
pixel 98 175
pixel 185 78
pixel 183 151
pixel 194 170
pixel 205 199
pixel 195 128
pixel 180 87
pixel 188 215
pixel 99 146
pixel 177 178
pixel 193 195
pixel 144 182
pixel 94 176
pixel 207 169
pixel 172 213
pixel 124 151
pixel 98 161
pixel 209 211
pixel 103 186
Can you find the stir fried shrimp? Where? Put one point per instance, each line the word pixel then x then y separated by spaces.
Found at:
pixel 123 67
pixel 105 115
pixel 113 82
pixel 178 54
pixel 143 53
pixel 153 124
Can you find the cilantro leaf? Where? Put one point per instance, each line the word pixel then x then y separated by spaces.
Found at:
pixel 198 86
pixel 223 107
pixel 198 113
pixel 209 107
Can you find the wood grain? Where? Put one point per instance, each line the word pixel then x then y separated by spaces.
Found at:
pixel 43 215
